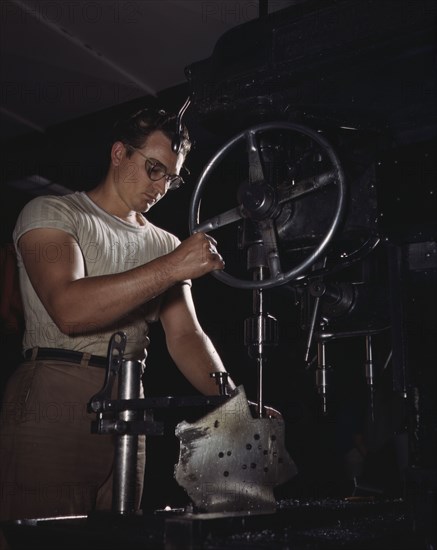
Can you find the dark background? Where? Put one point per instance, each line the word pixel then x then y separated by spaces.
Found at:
pixel 362 64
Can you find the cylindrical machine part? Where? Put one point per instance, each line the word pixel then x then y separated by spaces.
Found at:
pixel 260 394
pixel 369 360
pixel 126 445
pixel 259 304
pixel 321 375
pixel 369 373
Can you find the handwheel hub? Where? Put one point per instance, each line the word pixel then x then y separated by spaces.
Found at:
pixel 258 200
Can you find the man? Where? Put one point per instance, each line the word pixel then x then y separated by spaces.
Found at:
pixel 91 264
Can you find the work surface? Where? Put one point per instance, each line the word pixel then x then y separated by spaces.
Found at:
pixel 300 524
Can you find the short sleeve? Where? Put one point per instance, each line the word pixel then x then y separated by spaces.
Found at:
pixel 49 212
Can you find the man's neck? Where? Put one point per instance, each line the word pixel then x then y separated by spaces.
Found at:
pixel 104 200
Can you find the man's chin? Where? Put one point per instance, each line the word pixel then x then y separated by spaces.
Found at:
pixel 146 205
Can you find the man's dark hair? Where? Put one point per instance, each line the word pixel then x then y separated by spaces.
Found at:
pixel 136 128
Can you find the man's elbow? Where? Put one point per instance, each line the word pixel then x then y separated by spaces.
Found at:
pixel 70 324
pixel 66 326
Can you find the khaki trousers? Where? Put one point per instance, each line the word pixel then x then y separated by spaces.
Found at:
pixel 50 463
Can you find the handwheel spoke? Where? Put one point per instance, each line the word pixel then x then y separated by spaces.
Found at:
pixel 306 186
pixel 256 173
pixel 220 220
pixel 268 236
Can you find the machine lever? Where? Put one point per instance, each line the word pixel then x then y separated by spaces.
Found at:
pixel 311 331
pixel 317 290
pixel 255 167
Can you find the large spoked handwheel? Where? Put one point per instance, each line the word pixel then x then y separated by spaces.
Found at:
pixel 261 202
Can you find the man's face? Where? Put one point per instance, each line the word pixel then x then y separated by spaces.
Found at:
pixel 132 176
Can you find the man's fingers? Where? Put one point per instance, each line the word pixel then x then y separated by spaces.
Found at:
pixel 211 240
pixel 211 243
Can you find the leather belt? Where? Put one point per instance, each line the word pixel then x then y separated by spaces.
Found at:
pixel 55 354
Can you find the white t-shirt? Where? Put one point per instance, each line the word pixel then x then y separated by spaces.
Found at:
pixel 108 245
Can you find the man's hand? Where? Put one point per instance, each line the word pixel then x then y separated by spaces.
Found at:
pixel 196 256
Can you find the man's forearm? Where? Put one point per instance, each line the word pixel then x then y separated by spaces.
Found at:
pixel 196 357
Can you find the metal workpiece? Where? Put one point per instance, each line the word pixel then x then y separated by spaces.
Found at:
pixel 230 461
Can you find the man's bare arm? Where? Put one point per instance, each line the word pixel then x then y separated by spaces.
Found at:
pixel 190 348
pixel 74 300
